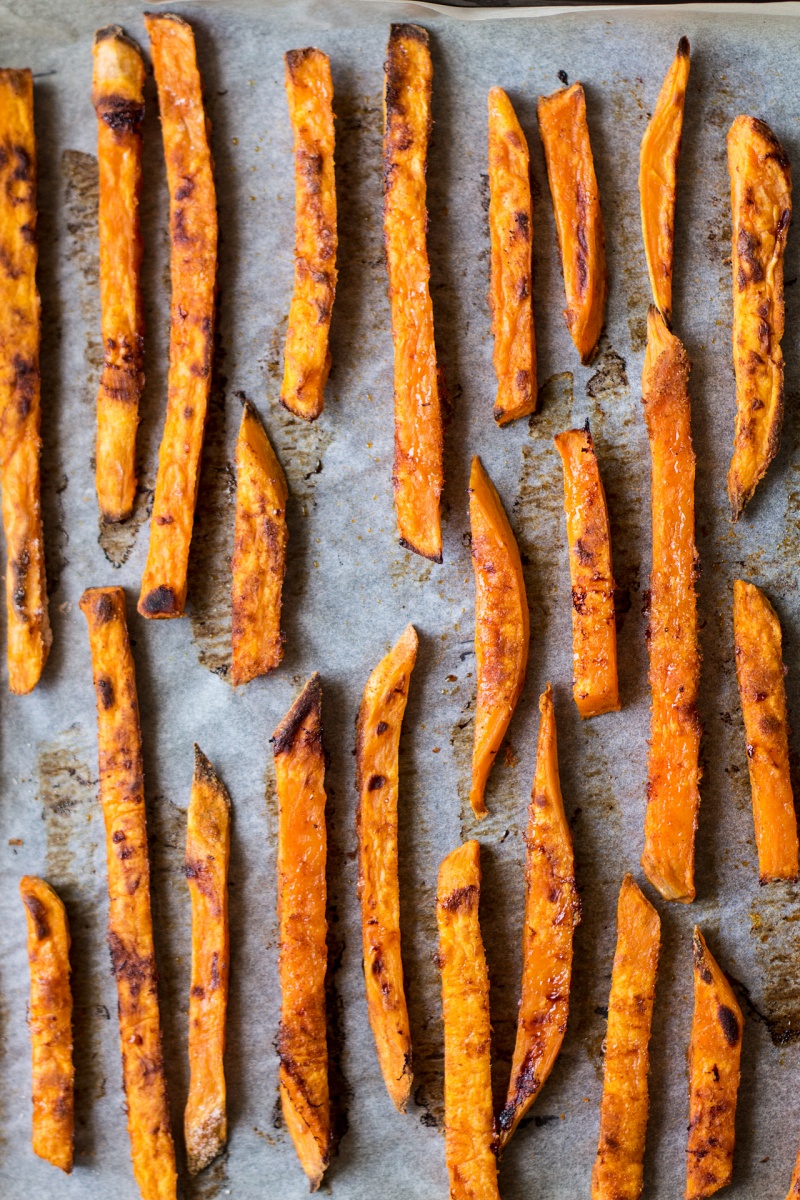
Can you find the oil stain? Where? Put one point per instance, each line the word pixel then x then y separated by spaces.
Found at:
pixel 66 791
pixel 210 1183
pixel 117 538
pixel 775 926
pixel 629 113
pixel 82 198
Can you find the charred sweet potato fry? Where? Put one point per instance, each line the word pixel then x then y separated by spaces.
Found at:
pixel 259 553
pixel 377 780
pixel 418 440
pixel 594 630
pixel 468 1120
pixel 617 1173
pixel 307 358
pixel 302 848
pixel 118 98
pixel 552 910
pixel 761 209
pixel 50 1022
pixel 714 1052
pixel 760 671
pixel 510 292
pixel 579 221
pixel 193 268
pixel 130 924
pixel 29 635
pixel 673 788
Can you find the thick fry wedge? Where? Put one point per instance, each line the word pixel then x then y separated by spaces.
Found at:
pixel 658 170
pixel 307 358
pixel 259 553
pixel 579 221
pixel 714 1053
pixel 118 98
pixel 50 1023
pixel 418 440
pixel 130 925
pixel 673 788
pixel 380 718
pixel 617 1173
pixel 760 672
pixel 594 629
pixel 761 209
pixel 29 635
pixel 302 847
pixel 552 910
pixel 511 288
pixel 468 1119
pixel 208 842
pixel 193 268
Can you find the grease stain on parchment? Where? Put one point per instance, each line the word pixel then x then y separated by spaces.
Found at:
pixel 775 928
pixel 82 199
pixel 66 792
pixel 117 538
pixel 631 116
pixel 210 1183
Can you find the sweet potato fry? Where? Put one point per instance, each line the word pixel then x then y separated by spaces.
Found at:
pixel 193 267
pixel 510 293
pixel 468 1120
pixel 307 358
pixel 673 788
pixel 208 842
pixel 130 924
pixel 380 717
pixel 50 1023
pixel 579 221
pixel 418 442
pixel 259 553
pixel 617 1173
pixel 760 671
pixel 302 848
pixel 714 1052
pixel 594 629
pixel 552 910
pixel 29 635
pixel 118 98
pixel 502 629
pixel 658 170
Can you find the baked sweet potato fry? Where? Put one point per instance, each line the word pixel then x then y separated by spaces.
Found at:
pixel 594 629
pixel 714 1053
pixel 193 268
pixel 552 910
pixel 658 170
pixel 579 221
pixel 259 553
pixel 511 288
pixel 760 672
pixel 302 848
pixel 761 209
pixel 208 841
pixel 130 924
pixel 673 787
pixel 418 438
pixel 50 1023
pixel 617 1172
pixel 307 358
pixel 29 635
pixel 380 718
pixel 468 1118
pixel 118 98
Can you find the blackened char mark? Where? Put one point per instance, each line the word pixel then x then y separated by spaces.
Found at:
pixel 129 967
pixel 121 114
pixel 461 898
pixel 309 701
pixel 161 602
pixel 38 915
pixel 729 1024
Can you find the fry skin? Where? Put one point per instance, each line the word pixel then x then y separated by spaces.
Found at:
pixel 50 1023
pixel 130 924
pixel 193 269
pixel 118 98
pixel 579 221
pixel 418 442
pixel 673 788
pixel 380 718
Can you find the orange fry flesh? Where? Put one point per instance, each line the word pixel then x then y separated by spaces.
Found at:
pixel 50 1023
pixel 130 924
pixel 193 269
pixel 418 445
pixel 380 718
pixel 118 98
